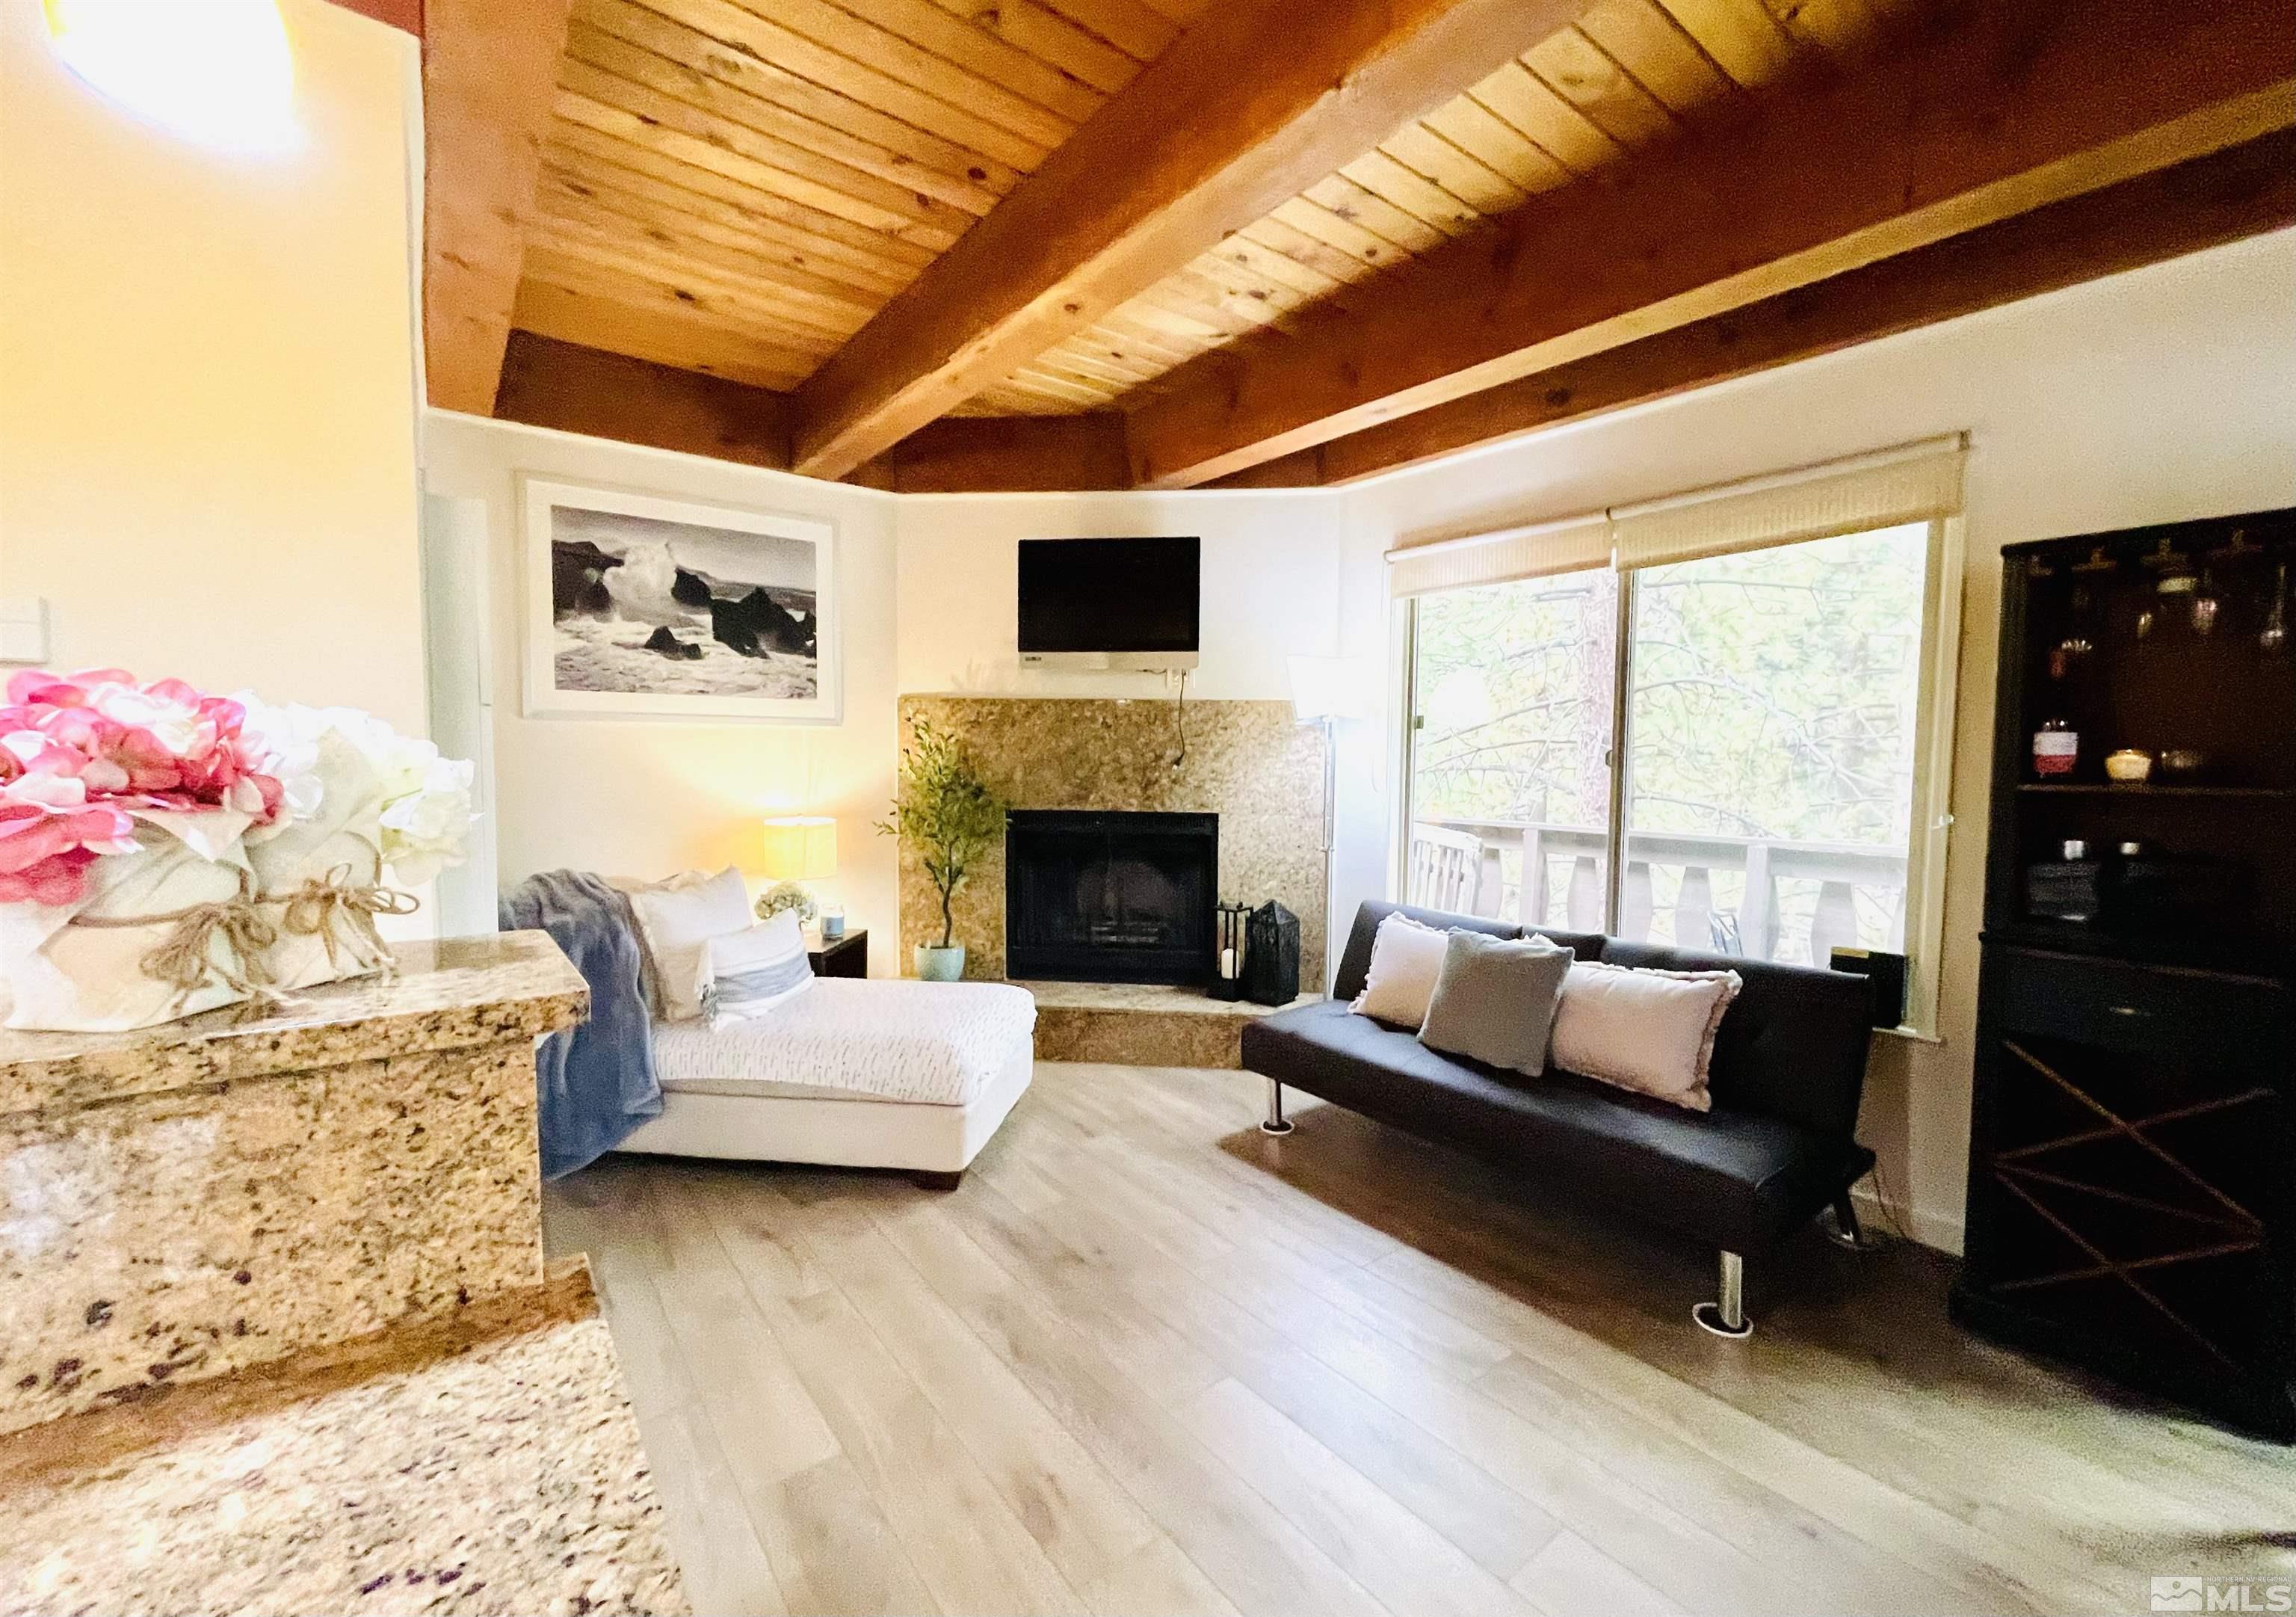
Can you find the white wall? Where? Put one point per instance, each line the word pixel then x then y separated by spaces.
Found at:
pixel 206 383
pixel 1278 583
pixel 2162 394
pixel 648 797
pixel 1271 587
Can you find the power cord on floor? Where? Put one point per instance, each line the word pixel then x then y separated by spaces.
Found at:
pixel 1889 1206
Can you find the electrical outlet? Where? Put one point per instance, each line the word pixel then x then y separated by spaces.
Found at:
pixel 23 630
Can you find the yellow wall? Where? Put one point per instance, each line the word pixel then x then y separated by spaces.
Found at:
pixel 207 394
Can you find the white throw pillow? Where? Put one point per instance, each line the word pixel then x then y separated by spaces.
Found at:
pixel 675 923
pixel 1407 959
pixel 1642 1029
pixel 746 974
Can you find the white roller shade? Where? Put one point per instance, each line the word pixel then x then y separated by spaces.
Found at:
pixel 1536 551
pixel 1912 483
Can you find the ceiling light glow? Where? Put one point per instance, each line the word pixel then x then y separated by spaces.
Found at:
pixel 214 71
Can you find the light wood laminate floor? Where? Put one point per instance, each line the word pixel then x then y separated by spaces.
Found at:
pixel 1146 1359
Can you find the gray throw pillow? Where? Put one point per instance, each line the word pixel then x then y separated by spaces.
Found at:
pixel 1495 1001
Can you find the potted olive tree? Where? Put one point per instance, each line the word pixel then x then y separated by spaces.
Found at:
pixel 951 816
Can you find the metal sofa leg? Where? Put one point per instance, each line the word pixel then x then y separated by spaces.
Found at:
pixel 1725 1316
pixel 1843 1229
pixel 1275 1123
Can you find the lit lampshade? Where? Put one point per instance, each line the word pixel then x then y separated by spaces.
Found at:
pixel 219 71
pixel 799 847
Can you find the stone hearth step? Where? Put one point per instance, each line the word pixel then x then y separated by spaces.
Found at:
pixel 1142 1024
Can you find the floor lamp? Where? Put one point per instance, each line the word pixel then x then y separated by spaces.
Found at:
pixel 1325 690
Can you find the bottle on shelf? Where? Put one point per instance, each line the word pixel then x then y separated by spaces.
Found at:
pixel 2056 748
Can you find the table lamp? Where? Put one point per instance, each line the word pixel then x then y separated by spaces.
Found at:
pixel 797 848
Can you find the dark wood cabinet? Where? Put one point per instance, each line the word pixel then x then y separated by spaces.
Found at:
pixel 2133 1132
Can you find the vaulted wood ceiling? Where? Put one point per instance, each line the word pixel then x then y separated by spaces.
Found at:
pixel 1163 243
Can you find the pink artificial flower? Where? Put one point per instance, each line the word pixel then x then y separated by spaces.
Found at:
pixel 78 751
pixel 36 687
pixel 163 745
pixel 50 834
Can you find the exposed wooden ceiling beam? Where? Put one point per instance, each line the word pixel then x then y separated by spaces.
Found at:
pixel 1005 454
pixel 404 14
pixel 489 76
pixel 1256 100
pixel 549 383
pixel 2207 203
pixel 2024 104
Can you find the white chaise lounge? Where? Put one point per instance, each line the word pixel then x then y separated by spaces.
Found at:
pixel 863 1073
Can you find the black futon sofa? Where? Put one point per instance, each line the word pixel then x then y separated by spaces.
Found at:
pixel 1778 1146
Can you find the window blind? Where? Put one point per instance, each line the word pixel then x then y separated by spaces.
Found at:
pixel 1913 483
pixel 1536 551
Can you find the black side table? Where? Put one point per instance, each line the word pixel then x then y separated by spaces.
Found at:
pixel 846 956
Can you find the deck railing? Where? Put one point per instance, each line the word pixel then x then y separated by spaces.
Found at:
pixel 1558 881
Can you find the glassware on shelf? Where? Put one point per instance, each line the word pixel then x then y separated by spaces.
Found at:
pixel 2274 636
pixel 2206 607
pixel 2077 643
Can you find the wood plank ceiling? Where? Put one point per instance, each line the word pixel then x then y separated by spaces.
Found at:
pixel 1632 73
pixel 737 193
pixel 726 192
pixel 738 189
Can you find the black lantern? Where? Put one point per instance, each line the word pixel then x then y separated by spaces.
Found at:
pixel 1227 955
pixel 1271 955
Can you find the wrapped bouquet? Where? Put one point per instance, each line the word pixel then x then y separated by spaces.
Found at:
pixel 164 852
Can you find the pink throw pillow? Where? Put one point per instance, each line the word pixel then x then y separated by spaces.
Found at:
pixel 1644 1029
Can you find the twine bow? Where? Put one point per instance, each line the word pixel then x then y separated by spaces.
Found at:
pixel 186 959
pixel 331 906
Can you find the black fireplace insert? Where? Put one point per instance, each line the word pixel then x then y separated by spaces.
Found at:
pixel 1092 896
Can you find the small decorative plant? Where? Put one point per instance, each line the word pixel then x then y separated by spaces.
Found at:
pixel 950 816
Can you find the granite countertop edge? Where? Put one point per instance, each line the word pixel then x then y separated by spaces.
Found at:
pixel 447 993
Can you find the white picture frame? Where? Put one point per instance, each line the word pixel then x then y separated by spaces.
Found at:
pixel 602 642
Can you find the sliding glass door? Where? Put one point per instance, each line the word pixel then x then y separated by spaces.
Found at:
pixel 1773 717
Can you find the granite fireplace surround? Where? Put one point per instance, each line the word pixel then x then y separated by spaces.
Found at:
pixel 1251 763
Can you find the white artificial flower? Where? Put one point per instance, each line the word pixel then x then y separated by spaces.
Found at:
pixel 423 830
pixel 425 798
pixel 285 742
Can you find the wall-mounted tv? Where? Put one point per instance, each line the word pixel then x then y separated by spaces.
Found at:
pixel 1109 603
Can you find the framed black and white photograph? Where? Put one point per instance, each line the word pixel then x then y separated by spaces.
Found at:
pixel 640 606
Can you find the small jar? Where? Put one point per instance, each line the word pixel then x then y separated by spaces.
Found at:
pixel 833 923
pixel 2056 748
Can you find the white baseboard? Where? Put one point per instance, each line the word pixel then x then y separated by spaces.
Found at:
pixel 1941 1230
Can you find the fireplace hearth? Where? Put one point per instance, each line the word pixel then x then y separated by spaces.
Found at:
pixel 1097 896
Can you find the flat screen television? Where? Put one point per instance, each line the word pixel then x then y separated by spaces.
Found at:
pixel 1109 603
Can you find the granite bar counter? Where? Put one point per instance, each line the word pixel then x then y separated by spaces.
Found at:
pixel 274 1326
pixel 180 1201
pixel 484 1464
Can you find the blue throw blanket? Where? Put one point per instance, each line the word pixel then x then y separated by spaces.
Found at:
pixel 596 1081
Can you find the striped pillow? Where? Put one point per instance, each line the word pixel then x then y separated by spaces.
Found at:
pixel 749 972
